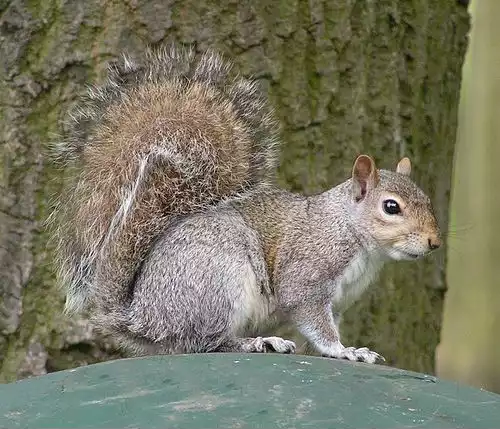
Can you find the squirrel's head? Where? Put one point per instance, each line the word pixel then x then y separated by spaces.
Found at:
pixel 397 214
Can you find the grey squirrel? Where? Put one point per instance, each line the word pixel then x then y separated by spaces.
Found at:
pixel 174 236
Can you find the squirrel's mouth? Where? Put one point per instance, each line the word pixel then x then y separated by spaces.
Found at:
pixel 400 254
pixel 412 255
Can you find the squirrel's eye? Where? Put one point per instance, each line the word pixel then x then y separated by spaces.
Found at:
pixel 391 207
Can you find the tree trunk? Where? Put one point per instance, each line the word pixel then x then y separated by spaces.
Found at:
pixel 468 351
pixel 345 76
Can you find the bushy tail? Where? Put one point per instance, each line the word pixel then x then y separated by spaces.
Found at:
pixel 171 134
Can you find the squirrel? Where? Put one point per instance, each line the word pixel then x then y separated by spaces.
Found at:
pixel 174 236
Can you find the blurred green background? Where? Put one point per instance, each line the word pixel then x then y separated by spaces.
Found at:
pixel 469 349
pixel 344 77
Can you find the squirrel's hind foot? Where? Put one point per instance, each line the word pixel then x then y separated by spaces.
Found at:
pixel 274 344
pixel 261 345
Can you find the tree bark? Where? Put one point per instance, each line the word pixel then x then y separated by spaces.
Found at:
pixel 345 76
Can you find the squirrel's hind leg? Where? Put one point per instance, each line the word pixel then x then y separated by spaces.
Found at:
pixel 259 345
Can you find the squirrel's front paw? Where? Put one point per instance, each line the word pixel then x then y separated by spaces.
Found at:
pixel 362 354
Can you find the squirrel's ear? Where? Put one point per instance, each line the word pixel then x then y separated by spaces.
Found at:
pixel 364 176
pixel 404 167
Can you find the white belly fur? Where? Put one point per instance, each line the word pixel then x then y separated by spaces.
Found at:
pixel 357 276
pixel 253 308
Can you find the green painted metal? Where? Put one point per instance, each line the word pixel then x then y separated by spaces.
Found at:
pixel 234 390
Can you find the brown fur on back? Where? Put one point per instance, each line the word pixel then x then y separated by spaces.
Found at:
pixel 170 135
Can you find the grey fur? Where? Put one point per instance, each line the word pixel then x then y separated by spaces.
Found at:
pixel 230 250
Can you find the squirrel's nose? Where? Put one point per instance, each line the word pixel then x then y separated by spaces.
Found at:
pixel 434 242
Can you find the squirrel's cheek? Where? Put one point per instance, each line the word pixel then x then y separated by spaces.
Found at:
pixel 389 233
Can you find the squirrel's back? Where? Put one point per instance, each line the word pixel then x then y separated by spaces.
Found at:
pixel 171 134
